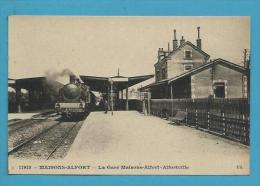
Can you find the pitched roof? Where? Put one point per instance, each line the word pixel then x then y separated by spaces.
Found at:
pixel 193 46
pixel 184 44
pixel 223 62
pixel 35 83
pixel 162 82
pixel 210 64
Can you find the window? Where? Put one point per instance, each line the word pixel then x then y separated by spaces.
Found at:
pixel 188 67
pixel 219 89
pixel 187 54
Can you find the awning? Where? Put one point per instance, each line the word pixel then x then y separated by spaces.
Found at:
pixel 101 84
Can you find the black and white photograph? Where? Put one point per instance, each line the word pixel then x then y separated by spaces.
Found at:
pixel 129 95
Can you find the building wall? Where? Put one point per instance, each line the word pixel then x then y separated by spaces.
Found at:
pixel 202 83
pixel 234 80
pixel 158 68
pixel 177 61
pixel 174 64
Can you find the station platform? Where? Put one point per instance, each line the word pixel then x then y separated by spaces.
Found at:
pixel 19 116
pixel 26 115
pixel 130 138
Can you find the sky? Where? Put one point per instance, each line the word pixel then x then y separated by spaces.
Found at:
pixel 98 46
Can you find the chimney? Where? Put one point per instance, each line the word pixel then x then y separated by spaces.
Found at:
pixel 161 53
pixel 175 41
pixel 182 40
pixel 198 40
pixel 166 53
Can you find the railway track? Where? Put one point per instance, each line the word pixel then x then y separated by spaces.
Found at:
pixel 28 123
pixel 16 148
pixel 16 126
pixel 13 127
pixel 61 141
pixel 16 122
pixel 45 144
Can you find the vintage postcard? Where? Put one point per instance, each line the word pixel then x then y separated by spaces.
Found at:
pixel 117 95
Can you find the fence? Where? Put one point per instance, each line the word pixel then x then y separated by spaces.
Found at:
pixel 226 117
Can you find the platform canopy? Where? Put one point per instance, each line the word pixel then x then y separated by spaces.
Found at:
pixel 34 83
pixel 100 84
pixel 42 92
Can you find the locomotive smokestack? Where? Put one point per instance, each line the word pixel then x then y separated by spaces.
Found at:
pixel 72 78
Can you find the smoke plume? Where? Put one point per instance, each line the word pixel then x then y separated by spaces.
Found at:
pixel 53 85
pixel 52 75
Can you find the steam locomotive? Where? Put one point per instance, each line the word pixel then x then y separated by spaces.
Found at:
pixel 75 99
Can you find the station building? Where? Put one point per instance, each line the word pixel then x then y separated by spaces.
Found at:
pixel 185 71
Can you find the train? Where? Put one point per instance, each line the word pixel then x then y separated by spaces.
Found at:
pixel 75 99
